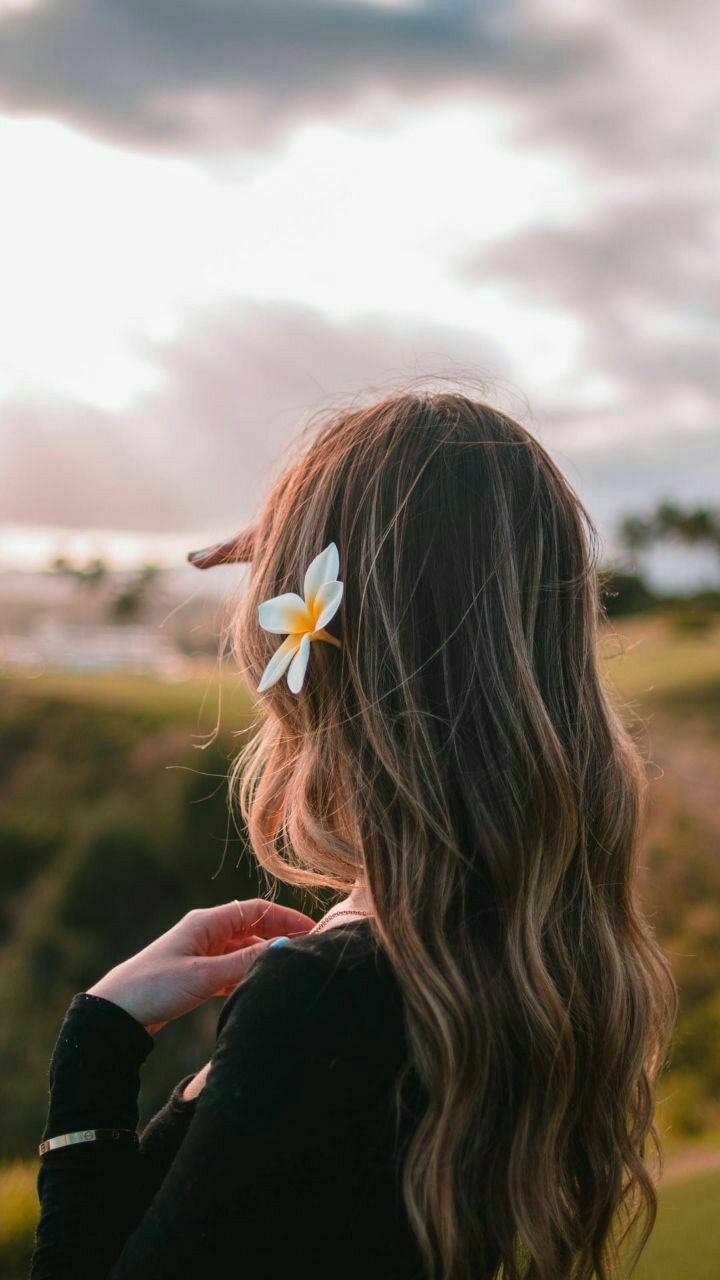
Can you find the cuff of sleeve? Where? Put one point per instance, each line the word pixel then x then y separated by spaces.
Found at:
pixel 122 1033
pixel 183 1106
pixel 94 1070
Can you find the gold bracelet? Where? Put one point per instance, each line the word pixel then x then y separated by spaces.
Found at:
pixel 85 1135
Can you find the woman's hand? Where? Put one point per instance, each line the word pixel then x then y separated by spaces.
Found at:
pixel 205 954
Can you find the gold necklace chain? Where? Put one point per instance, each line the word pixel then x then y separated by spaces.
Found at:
pixel 318 926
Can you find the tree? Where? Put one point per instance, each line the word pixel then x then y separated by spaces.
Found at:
pixel 91 575
pixel 692 525
pixel 129 603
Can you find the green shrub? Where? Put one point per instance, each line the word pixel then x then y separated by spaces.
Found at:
pixel 625 593
pixel 118 896
pixel 691 619
pixel 697 1043
pixel 682 1105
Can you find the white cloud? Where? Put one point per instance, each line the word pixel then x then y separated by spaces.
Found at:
pixel 104 248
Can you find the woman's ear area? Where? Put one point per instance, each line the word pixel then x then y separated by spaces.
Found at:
pixel 236 550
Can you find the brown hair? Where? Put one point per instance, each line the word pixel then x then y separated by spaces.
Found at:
pixel 461 757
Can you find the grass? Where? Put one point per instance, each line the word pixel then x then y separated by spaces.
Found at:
pixel 18 1214
pixel 674 1144
pixel 649 662
pixel 202 699
pixel 644 658
pixel 685 1244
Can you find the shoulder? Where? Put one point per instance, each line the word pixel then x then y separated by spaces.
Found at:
pixel 340 974
pixel 319 1016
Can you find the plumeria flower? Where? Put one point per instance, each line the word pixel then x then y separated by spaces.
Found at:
pixel 303 620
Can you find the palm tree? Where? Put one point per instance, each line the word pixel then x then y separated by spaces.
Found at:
pixel 693 526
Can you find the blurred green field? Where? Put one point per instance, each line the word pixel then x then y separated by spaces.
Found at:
pixel 658 667
pixel 114 821
pixel 685 1244
pixel 644 657
pixel 199 699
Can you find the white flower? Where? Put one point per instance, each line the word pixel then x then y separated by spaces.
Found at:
pixel 304 620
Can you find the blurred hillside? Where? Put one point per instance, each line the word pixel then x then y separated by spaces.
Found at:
pixel 114 821
pixel 113 824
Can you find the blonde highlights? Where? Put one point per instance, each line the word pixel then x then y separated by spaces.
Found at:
pixel 461 756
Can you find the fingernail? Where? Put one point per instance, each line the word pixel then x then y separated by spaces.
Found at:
pixel 196 555
pixel 279 942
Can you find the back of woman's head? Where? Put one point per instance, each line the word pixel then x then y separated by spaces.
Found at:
pixel 460 756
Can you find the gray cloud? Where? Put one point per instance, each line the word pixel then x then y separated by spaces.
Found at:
pixel 241 380
pixel 640 272
pixel 67 464
pixel 238 383
pixel 619 83
pixel 643 277
pixel 172 73
pixel 645 99
pixel 169 72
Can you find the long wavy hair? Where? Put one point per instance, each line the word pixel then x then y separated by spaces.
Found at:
pixel 460 756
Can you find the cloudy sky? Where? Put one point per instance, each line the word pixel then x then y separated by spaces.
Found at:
pixel 221 216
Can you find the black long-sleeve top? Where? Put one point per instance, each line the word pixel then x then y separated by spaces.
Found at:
pixel 288 1158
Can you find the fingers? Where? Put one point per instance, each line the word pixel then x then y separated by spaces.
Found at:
pixel 270 919
pixel 208 930
pixel 240 944
pixel 229 970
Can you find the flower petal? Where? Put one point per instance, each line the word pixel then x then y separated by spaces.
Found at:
pixel 298 666
pixel 326 603
pixel 279 662
pixel 283 614
pixel 324 568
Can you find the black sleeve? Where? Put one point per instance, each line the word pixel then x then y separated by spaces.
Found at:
pixel 161 1139
pixel 287 1070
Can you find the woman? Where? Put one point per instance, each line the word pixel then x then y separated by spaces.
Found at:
pixel 452 1074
